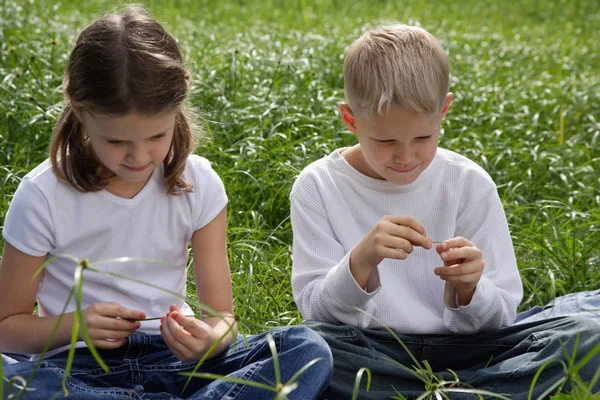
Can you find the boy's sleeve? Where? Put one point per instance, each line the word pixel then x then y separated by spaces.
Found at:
pixel 500 289
pixel 323 286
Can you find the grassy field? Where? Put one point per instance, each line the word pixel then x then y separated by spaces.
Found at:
pixel 268 78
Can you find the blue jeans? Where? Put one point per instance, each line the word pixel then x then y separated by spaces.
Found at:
pixel 503 361
pixel 145 368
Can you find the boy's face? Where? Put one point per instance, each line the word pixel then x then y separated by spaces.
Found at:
pixel 397 146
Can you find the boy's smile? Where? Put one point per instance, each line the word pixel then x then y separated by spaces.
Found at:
pixel 397 146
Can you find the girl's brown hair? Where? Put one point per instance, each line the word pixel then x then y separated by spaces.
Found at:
pixel 122 63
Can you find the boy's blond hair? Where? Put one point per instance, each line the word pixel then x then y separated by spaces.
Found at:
pixel 396 65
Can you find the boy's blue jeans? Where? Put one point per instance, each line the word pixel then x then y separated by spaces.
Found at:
pixel 145 368
pixel 503 361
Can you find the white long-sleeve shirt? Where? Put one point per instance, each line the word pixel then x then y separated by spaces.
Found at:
pixel 333 207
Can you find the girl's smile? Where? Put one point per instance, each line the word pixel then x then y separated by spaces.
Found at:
pixel 137 169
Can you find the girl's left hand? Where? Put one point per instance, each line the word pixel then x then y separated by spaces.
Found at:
pixel 463 266
pixel 188 337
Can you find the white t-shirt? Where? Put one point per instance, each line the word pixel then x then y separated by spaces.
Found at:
pixel 48 216
pixel 333 207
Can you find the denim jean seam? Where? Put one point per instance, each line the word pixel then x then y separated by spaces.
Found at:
pixel 489 386
pixel 136 374
pixel 349 334
pixel 237 389
pixel 278 339
pixel 239 348
pixel 96 371
pixel 145 347
pixel 112 392
pixel 172 367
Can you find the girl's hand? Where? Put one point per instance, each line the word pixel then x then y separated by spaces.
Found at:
pixel 392 237
pixel 188 337
pixel 108 324
pixel 463 266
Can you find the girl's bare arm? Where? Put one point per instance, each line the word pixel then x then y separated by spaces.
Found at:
pixel 20 330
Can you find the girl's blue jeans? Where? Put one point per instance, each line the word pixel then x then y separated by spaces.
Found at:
pixel 503 361
pixel 145 368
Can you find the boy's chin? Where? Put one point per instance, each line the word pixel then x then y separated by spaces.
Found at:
pixel 401 179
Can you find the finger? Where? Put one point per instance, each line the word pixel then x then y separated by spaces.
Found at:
pixel 411 235
pixel 109 344
pixel 393 253
pixel 470 267
pixel 180 333
pixel 394 242
pixel 462 253
pixel 95 321
pixel 196 335
pixel 456 242
pixel 472 279
pixel 198 329
pixel 109 334
pixel 171 342
pixel 118 311
pixel 407 220
pixel 169 332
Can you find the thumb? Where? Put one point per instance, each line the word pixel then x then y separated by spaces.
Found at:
pixel 440 248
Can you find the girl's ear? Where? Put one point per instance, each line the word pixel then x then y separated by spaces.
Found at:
pixel 347 117
pixel 76 110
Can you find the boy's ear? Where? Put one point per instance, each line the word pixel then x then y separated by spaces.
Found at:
pixel 347 117
pixel 446 106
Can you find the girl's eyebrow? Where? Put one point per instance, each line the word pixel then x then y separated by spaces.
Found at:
pixel 124 140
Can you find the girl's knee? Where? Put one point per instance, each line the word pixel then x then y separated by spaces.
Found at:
pixel 308 342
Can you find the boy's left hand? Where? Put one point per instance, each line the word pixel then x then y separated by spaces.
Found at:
pixel 188 337
pixel 463 266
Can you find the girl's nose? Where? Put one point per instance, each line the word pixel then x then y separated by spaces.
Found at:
pixel 137 154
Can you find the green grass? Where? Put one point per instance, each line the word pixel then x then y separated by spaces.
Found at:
pixel 268 77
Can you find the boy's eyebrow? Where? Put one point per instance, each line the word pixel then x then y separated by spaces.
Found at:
pixel 416 136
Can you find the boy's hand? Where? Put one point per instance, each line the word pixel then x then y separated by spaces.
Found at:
pixel 392 237
pixel 108 324
pixel 188 337
pixel 463 266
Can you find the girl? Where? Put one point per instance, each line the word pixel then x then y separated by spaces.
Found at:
pixel 121 182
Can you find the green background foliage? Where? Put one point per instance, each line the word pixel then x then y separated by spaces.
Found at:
pixel 268 77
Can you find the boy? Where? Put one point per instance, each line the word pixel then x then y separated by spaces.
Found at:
pixel 365 219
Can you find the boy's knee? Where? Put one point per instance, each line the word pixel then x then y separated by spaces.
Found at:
pixel 585 327
pixel 576 334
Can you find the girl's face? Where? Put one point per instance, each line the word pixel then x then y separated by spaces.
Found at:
pixel 130 146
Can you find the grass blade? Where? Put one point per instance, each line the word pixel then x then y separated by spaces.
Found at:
pixel 81 319
pixel 273 348
pixel 206 375
pixel 357 380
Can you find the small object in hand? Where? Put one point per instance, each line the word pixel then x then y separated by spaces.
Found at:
pixel 150 319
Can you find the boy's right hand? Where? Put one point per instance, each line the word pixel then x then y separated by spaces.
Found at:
pixel 392 237
pixel 108 324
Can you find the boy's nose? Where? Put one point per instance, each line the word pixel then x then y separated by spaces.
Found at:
pixel 402 156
